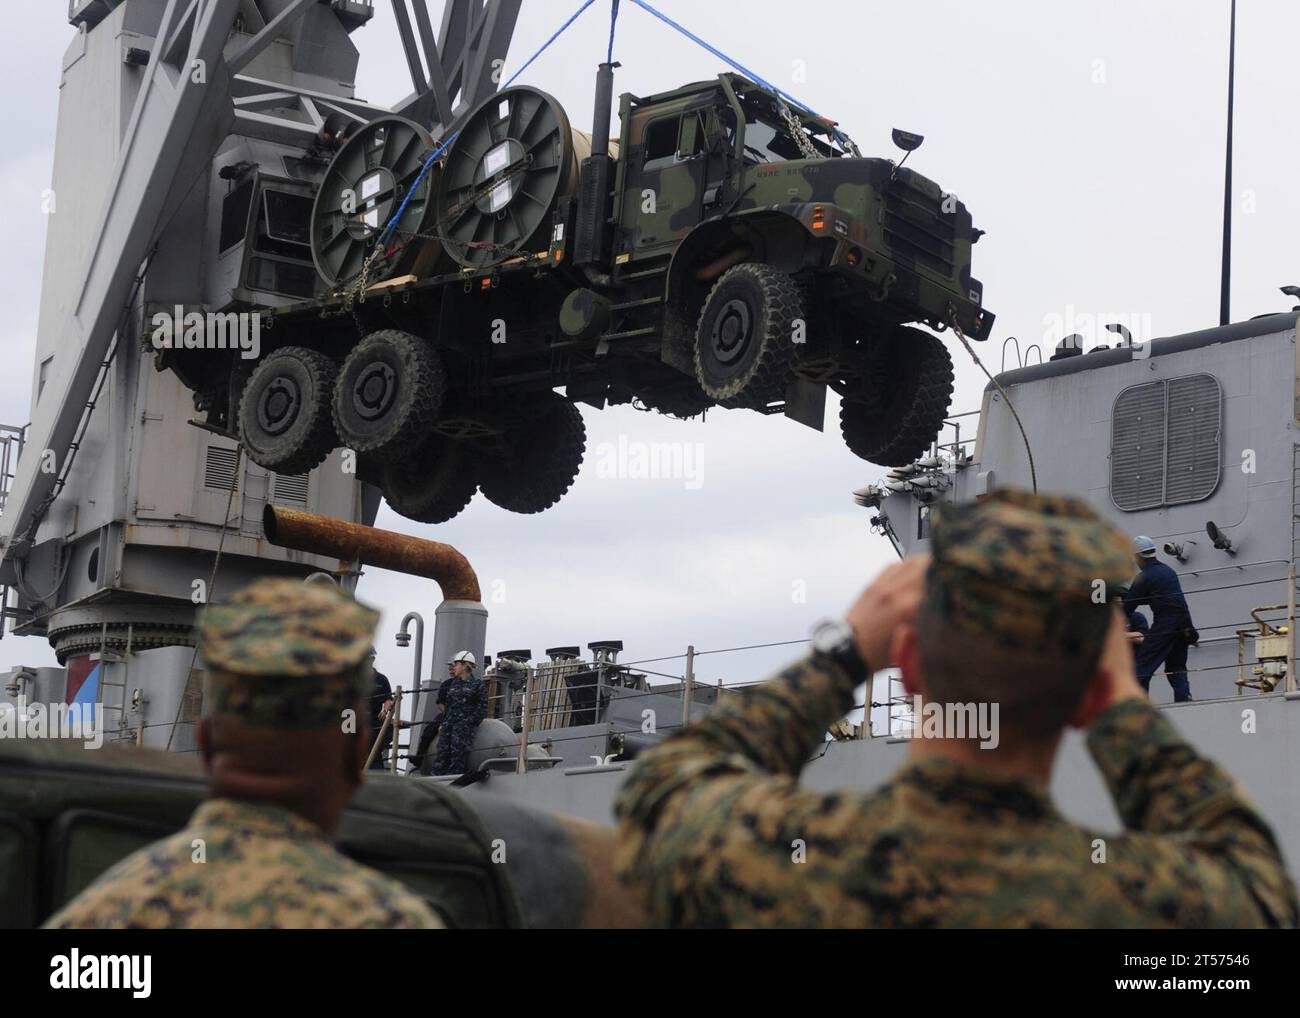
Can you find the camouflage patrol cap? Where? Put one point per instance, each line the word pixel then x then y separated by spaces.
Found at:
pixel 1030 572
pixel 286 654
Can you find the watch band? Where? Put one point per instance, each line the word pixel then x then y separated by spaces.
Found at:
pixel 834 641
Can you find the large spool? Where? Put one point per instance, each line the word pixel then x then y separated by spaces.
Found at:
pixel 363 187
pixel 513 160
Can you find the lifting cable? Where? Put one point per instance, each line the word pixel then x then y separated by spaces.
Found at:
pixel 613 20
pixel 839 135
pixel 781 94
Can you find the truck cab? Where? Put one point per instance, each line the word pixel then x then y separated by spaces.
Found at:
pixel 727 148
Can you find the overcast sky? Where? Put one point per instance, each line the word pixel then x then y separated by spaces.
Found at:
pixel 1087 140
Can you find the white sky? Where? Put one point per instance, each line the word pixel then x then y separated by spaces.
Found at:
pixel 1086 138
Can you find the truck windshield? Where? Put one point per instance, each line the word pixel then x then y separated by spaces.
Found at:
pixel 765 142
pixel 768 139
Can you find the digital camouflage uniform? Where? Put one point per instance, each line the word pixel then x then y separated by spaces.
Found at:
pixel 466 708
pixel 284 655
pixel 711 822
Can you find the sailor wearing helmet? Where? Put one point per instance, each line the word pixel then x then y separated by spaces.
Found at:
pixel 465 708
pixel 1172 631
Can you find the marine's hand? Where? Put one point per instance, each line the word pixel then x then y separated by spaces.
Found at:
pixel 891 600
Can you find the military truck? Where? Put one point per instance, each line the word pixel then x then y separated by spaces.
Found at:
pixel 727 250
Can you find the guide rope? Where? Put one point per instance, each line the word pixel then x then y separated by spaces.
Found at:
pixel 212 585
pixel 956 328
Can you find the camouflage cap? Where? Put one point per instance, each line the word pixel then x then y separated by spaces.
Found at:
pixel 1033 572
pixel 286 654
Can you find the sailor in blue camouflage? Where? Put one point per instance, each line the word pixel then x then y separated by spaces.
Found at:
pixel 715 830
pixel 287 670
pixel 466 707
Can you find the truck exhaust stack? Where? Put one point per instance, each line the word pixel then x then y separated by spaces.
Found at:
pixel 594 181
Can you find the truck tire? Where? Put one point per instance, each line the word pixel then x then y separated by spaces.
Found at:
pixel 744 349
pixel 388 394
pixel 543 454
pixel 284 411
pixel 892 419
pixel 432 484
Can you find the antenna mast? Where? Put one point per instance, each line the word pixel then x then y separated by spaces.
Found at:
pixel 1225 281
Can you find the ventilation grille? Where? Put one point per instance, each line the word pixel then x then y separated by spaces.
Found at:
pixel 1164 447
pixel 219 469
pixel 1137 447
pixel 290 489
pixel 1193 423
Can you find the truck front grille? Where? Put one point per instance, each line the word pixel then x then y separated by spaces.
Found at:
pixel 917 228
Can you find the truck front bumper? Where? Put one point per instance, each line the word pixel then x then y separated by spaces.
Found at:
pixel 857 253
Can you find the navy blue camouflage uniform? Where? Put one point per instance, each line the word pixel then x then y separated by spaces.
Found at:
pixel 1166 642
pixel 466 708
pixel 430 730
pixel 379 695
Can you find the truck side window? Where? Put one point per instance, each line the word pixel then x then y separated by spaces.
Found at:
pixel 660 143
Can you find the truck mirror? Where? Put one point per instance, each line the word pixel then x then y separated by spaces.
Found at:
pixel 906 140
pixel 687 138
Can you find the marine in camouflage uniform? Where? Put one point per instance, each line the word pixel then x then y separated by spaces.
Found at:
pixel 286 669
pixel 712 822
pixel 466 707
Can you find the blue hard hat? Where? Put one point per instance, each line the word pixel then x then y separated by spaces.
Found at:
pixel 1144 546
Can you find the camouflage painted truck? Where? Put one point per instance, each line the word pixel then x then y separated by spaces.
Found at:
pixel 727 250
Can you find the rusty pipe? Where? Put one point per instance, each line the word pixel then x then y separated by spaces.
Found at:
pixel 357 543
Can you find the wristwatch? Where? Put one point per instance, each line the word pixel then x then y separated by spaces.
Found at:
pixel 833 639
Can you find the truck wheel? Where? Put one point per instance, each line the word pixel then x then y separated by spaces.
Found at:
pixel 284 412
pixel 388 394
pixel 432 484
pixel 744 350
pixel 542 457
pixel 894 416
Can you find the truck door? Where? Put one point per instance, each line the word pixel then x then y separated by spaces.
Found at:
pixel 671 186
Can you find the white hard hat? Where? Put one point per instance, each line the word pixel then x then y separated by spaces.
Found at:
pixel 465 656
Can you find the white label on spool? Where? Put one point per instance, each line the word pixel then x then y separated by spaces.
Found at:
pixel 501 195
pixel 495 159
